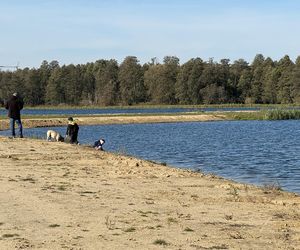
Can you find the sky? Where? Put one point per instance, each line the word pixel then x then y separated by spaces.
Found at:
pixel 81 31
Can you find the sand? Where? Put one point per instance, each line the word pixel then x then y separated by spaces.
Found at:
pixel 59 196
pixel 113 119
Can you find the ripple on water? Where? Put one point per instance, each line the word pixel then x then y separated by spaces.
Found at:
pixel 257 152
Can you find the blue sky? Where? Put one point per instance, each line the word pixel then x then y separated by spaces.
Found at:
pixel 81 31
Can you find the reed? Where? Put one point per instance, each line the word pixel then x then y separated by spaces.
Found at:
pixel 248 115
pixel 270 114
pixel 282 114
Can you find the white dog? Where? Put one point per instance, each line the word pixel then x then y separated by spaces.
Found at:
pixel 51 134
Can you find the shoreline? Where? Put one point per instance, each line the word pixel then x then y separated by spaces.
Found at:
pixel 57 195
pixel 115 119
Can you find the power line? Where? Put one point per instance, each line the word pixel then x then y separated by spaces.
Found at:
pixel 10 66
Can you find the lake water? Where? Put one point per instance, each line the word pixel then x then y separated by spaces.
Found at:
pixel 257 152
pixel 115 111
pixel 74 112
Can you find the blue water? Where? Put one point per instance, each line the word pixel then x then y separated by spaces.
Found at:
pixel 257 152
pixel 99 111
pixel 74 112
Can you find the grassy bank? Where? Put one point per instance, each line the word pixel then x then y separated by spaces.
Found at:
pixel 271 114
pixel 257 115
pixel 279 114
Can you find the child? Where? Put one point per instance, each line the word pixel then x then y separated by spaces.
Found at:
pixel 72 131
pixel 98 144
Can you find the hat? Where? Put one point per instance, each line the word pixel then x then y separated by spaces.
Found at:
pixel 70 119
pixel 15 94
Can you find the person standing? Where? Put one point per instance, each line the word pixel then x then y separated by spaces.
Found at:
pixel 14 105
pixel 72 131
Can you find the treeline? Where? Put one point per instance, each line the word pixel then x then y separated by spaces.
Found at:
pixel 105 82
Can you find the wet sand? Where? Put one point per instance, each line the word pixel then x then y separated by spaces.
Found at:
pixel 59 196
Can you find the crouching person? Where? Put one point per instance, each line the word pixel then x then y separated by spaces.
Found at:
pixel 99 144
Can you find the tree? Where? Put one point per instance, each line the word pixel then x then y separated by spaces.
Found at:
pixel 54 90
pixel 153 79
pixel 295 82
pixel 244 86
pixel 160 81
pixel 257 67
pixel 213 94
pixel 34 92
pixel 285 88
pixel 182 83
pixel 71 84
pixel 269 94
pixel 188 82
pixel 88 84
pixel 44 75
pixel 208 77
pixel 236 71
pixel 132 89
pixel 6 87
pixel 106 82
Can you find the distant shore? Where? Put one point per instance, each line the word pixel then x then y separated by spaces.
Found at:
pixel 112 119
pixel 30 121
pixel 57 195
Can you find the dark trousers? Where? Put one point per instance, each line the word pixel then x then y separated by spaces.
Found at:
pixel 12 126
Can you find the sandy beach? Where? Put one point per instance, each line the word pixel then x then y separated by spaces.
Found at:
pixel 60 196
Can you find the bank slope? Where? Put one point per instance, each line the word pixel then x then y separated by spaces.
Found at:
pixel 56 195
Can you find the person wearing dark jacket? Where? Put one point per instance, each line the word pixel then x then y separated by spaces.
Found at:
pixel 99 144
pixel 72 131
pixel 14 105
